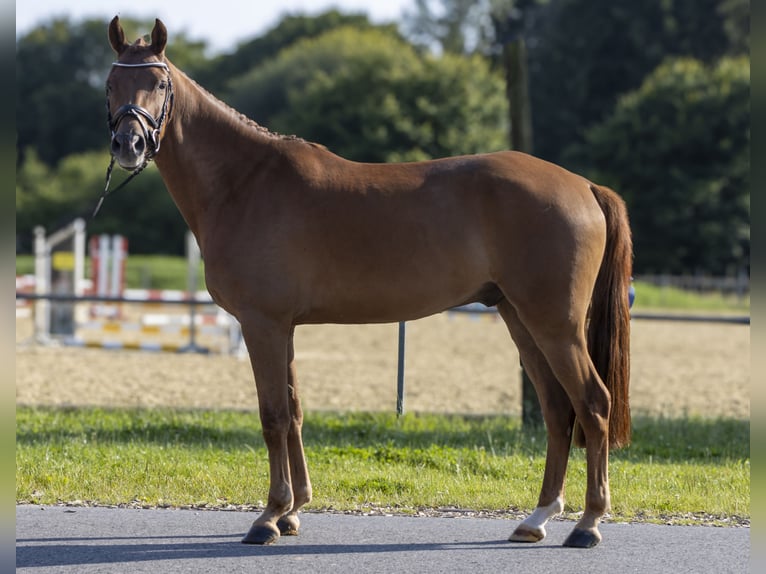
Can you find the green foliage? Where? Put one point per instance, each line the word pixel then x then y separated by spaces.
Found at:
pixel 59 71
pixel 369 96
pixel 736 24
pixel 584 54
pixel 37 193
pixel 289 30
pixel 678 150
pixel 674 469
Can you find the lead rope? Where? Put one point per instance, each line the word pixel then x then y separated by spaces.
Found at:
pixel 106 191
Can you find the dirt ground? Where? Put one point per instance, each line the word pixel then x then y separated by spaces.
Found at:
pixel 454 364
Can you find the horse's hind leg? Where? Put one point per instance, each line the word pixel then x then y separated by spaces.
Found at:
pixel 565 348
pixel 559 419
pixel 299 475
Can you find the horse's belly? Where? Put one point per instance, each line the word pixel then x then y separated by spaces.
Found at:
pixel 399 297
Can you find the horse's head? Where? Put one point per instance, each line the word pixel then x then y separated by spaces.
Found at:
pixel 139 96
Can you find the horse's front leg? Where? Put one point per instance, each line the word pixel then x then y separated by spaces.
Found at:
pixel 290 523
pixel 267 345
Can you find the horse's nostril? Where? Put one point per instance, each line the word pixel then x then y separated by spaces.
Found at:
pixel 115 145
pixel 139 145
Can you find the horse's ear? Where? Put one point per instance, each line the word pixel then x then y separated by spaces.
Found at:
pixel 159 37
pixel 117 36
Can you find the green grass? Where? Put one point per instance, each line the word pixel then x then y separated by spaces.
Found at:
pixel 159 272
pixel 653 297
pixel 168 272
pixel 687 470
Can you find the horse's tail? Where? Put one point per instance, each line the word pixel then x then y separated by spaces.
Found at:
pixel 609 322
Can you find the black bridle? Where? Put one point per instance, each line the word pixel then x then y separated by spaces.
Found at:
pixel 151 127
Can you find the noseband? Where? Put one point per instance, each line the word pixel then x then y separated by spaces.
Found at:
pixel 152 134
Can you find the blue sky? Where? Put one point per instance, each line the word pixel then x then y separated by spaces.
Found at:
pixel 222 23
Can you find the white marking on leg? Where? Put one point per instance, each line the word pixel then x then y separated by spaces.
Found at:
pixel 532 528
pixel 542 514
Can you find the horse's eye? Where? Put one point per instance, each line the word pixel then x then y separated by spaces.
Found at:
pixel 162 85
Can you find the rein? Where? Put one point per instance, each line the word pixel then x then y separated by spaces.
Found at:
pixel 152 138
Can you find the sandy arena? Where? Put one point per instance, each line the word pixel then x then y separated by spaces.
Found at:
pixel 454 364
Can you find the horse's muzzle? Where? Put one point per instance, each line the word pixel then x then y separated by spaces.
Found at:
pixel 129 148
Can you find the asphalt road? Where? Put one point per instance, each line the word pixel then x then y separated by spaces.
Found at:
pixel 87 540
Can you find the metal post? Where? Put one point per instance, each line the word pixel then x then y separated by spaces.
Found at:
pixel 400 373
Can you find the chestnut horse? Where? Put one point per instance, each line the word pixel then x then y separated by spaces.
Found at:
pixel 292 234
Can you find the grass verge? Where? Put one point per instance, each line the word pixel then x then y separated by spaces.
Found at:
pixel 676 471
pixel 653 297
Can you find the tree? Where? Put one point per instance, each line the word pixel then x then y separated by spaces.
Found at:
pixel 59 103
pixel 37 198
pixel 678 150
pixel 290 29
pixel 583 54
pixel 370 96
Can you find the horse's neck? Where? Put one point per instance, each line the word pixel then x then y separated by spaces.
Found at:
pixel 200 148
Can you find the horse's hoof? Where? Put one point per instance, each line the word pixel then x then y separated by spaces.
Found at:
pixel 582 539
pixel 260 534
pixel 524 533
pixel 288 526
